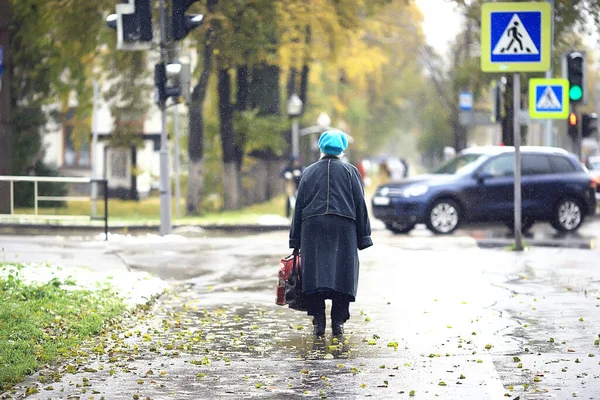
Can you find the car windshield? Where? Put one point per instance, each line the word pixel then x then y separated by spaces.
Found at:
pixel 594 165
pixel 462 164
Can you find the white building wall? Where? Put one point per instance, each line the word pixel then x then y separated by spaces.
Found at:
pixel 148 160
pixel 153 123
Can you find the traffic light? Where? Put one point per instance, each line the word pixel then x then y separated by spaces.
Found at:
pixel 172 80
pixel 589 125
pixel 572 125
pixel 162 75
pixel 133 23
pixel 576 76
pixel 182 24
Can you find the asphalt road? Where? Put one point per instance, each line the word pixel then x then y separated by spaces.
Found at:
pixel 495 235
pixel 441 316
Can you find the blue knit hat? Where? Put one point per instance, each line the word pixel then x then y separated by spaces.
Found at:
pixel 333 142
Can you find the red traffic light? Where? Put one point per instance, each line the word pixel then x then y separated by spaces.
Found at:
pixel 573 119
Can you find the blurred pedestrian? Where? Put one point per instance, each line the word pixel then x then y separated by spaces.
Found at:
pixel 329 226
pixel 384 173
pixel 450 152
pixel 292 173
pixel 403 161
pixel 397 170
pixel 357 162
pixel 361 170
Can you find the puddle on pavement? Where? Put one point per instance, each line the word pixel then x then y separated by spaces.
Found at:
pixel 244 327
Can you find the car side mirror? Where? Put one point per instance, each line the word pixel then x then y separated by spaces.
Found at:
pixel 482 176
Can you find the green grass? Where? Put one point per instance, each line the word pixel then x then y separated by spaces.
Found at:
pixel 39 324
pixel 148 211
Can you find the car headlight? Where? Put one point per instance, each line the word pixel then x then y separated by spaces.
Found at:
pixel 415 190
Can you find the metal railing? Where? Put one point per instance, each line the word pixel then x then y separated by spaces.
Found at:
pixel 37 198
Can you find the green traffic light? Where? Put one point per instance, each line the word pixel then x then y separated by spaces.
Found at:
pixel 575 93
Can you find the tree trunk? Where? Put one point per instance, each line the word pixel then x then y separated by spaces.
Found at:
pixel 196 126
pixel 195 187
pixel 460 134
pixel 242 104
pixel 231 187
pixel 461 131
pixel 304 87
pixel 231 178
pixel 6 157
pixel 305 69
pixel 290 87
pixel 265 89
pixel 273 180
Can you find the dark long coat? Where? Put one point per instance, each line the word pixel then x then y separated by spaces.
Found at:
pixel 330 225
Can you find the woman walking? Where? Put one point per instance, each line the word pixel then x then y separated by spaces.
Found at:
pixel 330 224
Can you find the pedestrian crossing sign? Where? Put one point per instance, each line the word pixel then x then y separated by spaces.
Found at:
pixel 516 37
pixel 548 98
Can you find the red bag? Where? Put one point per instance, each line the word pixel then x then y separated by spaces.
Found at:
pixel 286 266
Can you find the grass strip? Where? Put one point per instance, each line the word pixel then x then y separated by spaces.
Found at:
pixel 40 323
pixel 148 210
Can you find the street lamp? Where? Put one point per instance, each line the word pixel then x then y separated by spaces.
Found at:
pixel 324 121
pixel 294 109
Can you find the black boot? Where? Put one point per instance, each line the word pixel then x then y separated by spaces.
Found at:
pixel 337 328
pixel 319 323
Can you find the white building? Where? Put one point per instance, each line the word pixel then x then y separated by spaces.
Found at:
pixel 74 156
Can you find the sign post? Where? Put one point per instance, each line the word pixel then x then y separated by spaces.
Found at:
pixel 1 65
pixel 517 144
pixel 516 37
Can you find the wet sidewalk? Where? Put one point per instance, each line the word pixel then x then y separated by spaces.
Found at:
pixel 187 351
pixel 452 323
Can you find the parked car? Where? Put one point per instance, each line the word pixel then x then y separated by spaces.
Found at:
pixel 478 186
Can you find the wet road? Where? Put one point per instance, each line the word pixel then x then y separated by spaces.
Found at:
pixel 439 316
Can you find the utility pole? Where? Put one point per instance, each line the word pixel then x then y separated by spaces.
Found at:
pixel 5 115
pixel 165 181
pixel 177 166
pixel 94 146
pixel 133 23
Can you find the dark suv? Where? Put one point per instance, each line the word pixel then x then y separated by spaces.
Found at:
pixel 478 186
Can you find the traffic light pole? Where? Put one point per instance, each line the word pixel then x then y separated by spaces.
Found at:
pixel 165 181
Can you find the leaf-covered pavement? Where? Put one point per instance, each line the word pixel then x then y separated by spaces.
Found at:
pixel 182 350
pixel 458 323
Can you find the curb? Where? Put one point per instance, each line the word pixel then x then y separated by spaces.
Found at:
pixel 551 243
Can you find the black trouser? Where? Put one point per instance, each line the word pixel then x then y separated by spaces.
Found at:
pixel 340 305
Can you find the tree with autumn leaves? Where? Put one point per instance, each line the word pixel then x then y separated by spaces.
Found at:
pixel 352 59
pixel 336 54
pixel 363 62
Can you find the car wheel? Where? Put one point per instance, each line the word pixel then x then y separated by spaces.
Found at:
pixel 399 227
pixel 568 215
pixel 526 224
pixel 444 217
